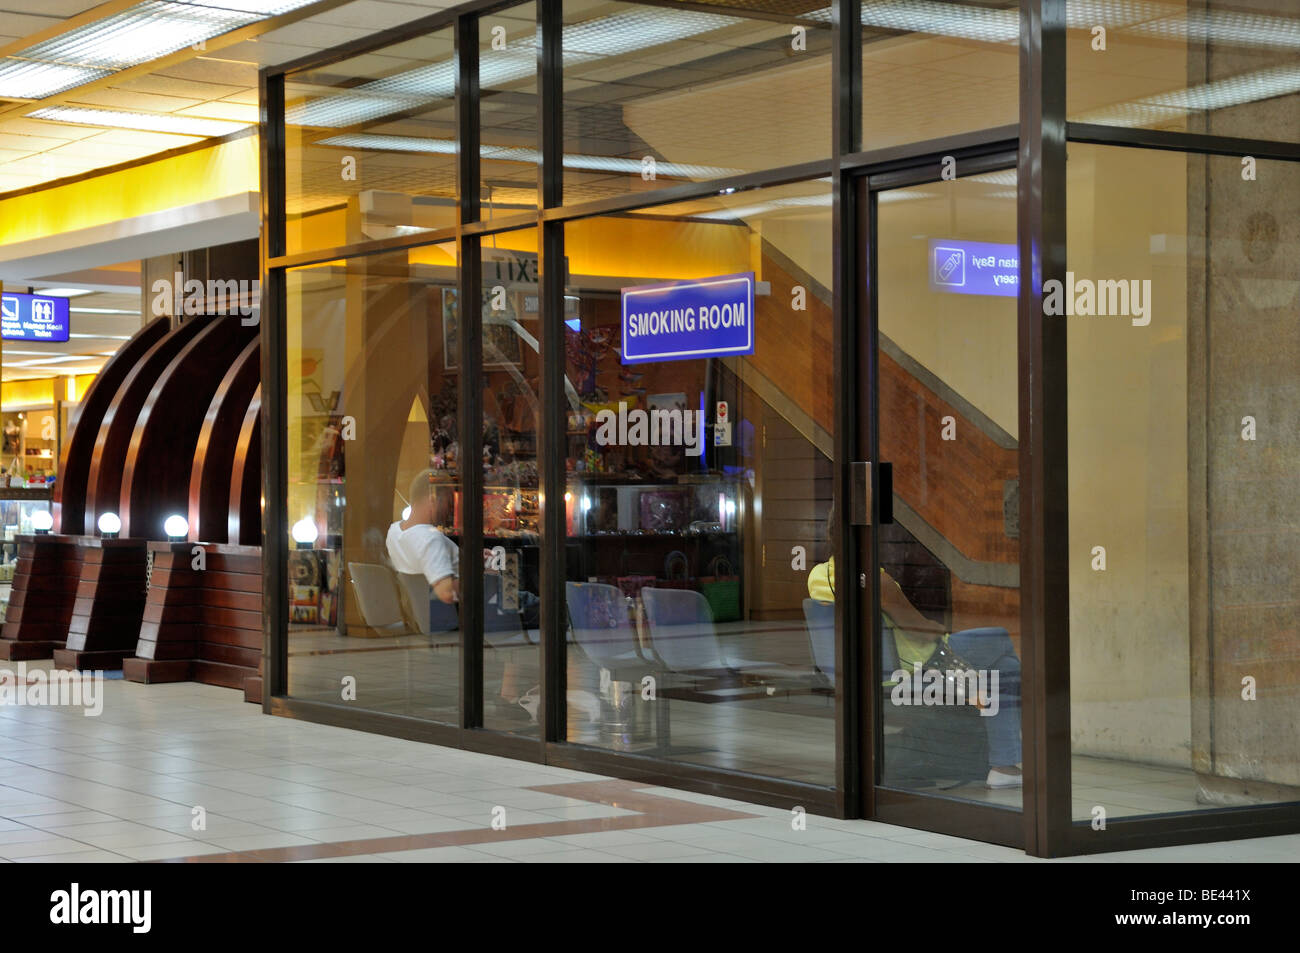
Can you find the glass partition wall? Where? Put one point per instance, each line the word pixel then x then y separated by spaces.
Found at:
pixel 592 326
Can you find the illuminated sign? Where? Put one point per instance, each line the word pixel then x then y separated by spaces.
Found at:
pixel 974 268
pixel 25 317
pixel 688 320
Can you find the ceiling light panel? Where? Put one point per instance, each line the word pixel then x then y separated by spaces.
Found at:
pixel 138 34
pixel 23 79
pixel 382 143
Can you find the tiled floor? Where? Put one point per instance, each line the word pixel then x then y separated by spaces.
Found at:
pixel 130 783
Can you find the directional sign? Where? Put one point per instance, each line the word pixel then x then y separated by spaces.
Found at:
pixel 25 317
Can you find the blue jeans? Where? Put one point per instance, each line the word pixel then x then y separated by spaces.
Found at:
pixel 990 648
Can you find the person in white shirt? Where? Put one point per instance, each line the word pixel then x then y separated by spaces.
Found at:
pixel 416 547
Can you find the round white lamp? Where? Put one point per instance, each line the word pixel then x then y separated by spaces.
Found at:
pixel 176 527
pixel 406 513
pixel 109 525
pixel 304 532
pixel 42 522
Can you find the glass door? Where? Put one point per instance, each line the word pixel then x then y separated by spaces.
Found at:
pixel 941 587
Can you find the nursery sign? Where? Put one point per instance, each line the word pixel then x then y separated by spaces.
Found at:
pixel 688 320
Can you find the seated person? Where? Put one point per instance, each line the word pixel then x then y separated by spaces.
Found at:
pixel 918 640
pixel 415 546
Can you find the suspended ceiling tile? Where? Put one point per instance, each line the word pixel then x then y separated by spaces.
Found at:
pixel 106 153
pixel 247 97
pixel 47 166
pixel 233 112
pixel 28 143
pixel 267 54
pixel 46 129
pixel 67 8
pixel 122 99
pixel 206 69
pixel 25 24
pixel 148 141
pixel 319 36
pixel 183 88
pixel 374 15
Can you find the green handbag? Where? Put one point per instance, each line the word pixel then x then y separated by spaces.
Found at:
pixel 721 588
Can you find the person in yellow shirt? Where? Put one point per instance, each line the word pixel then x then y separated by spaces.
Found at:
pixel 916 640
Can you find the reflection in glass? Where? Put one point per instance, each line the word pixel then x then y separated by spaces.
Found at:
pixel 370 145
pixel 949 561
pixel 696 492
pixel 1185 585
pixel 1223 67
pixel 932 69
pixel 508 111
pixel 373 465
pixel 511 504
pixel 642 82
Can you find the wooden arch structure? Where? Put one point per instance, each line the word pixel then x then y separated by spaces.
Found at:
pixel 159 433
pixel 169 426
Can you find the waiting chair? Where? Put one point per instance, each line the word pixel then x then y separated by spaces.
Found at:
pixel 378 599
pixel 819 617
pixel 683 638
pixel 927 744
pixel 602 630
pixel 604 634
pixel 416 589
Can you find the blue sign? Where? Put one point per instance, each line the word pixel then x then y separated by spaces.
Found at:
pixel 974 268
pixel 26 317
pixel 686 320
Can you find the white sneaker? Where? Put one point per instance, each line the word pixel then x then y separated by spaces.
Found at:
pixel 1003 779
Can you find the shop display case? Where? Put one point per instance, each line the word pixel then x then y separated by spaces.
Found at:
pixel 17 507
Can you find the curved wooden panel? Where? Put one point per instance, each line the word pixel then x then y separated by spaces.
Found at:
pixel 70 489
pixel 113 440
pixel 214 454
pixel 156 475
pixel 246 478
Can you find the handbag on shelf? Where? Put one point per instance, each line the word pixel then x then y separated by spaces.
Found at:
pixel 631 582
pixel 721 587
pixel 677 573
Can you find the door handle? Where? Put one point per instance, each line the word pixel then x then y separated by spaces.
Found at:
pixel 861 498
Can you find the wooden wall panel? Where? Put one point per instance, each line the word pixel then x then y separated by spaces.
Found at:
pixel 70 491
pixel 42 599
pixel 210 502
pixel 113 440
pixel 203 618
pixel 245 510
pixel 110 600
